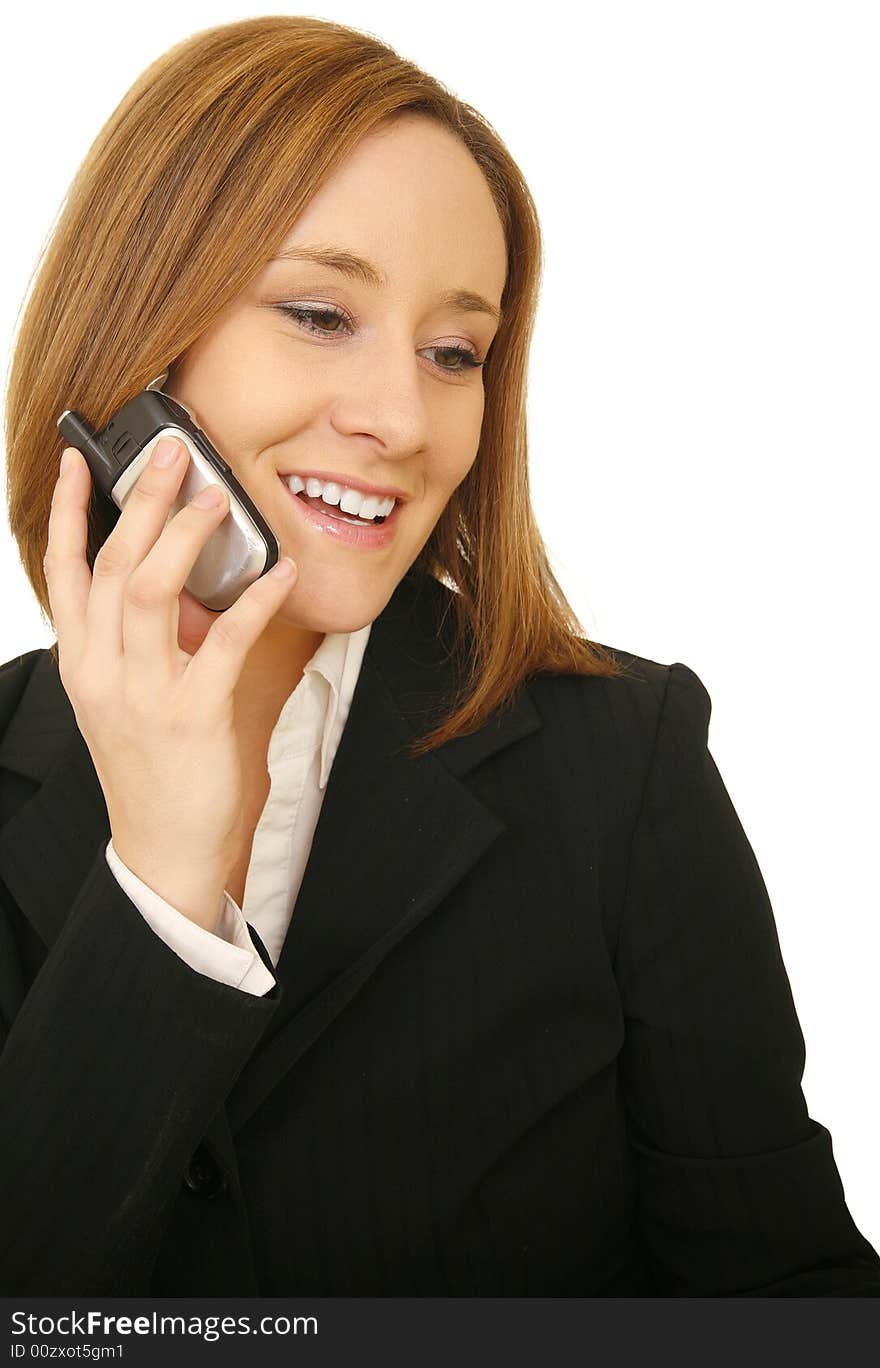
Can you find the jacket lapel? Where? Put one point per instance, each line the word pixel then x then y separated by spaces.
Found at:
pixel 394 837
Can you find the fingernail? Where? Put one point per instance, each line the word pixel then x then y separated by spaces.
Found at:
pixel 68 460
pixel 166 451
pixel 284 568
pixel 209 497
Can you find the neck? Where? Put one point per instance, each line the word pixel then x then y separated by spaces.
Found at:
pixel 272 670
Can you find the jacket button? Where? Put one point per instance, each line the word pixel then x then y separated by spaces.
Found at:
pixel 202 1175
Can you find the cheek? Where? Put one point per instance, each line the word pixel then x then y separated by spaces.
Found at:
pixel 442 480
pixel 240 395
pixel 455 441
pixel 457 470
pixel 258 425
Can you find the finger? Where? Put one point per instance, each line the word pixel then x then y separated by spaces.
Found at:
pixel 146 513
pixel 68 577
pixel 194 621
pixel 151 607
pixel 219 661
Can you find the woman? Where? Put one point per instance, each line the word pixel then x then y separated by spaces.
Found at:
pixel 381 935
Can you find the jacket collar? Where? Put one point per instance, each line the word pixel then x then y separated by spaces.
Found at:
pixel 376 793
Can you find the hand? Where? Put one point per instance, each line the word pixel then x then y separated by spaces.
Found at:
pixel 157 718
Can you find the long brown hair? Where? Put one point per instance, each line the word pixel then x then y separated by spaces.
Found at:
pixel 174 210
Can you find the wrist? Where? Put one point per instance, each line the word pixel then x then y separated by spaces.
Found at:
pixel 198 894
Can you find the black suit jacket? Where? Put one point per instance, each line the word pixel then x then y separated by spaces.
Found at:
pixel 532 1034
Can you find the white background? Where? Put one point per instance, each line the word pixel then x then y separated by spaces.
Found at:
pixel 703 392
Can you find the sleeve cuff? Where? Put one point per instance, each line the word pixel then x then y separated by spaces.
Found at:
pixel 229 955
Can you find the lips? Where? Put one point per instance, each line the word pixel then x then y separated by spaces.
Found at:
pixel 323 521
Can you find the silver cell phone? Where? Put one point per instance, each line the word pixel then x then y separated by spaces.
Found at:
pixel 241 549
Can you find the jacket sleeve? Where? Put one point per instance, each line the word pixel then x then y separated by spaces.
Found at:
pixel 739 1193
pixel 228 955
pixel 111 1072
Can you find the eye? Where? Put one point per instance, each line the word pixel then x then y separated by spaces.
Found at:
pixel 304 317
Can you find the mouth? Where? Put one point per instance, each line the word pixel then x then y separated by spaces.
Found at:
pixel 342 527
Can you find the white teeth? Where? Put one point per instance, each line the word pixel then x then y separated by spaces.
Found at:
pixel 352 501
pixel 370 506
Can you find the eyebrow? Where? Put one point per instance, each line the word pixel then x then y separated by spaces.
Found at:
pixel 356 268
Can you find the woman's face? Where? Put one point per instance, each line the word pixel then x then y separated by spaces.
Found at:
pixel 366 384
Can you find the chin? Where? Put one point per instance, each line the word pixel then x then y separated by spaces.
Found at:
pixel 335 605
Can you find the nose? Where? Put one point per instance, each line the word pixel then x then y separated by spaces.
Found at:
pixel 384 398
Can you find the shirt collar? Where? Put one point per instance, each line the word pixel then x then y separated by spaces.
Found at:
pixel 337 663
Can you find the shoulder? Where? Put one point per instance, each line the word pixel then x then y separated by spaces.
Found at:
pixel 630 704
pixel 14 676
pixel 603 737
pixel 602 745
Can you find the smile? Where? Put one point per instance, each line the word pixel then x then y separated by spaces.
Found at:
pixel 341 526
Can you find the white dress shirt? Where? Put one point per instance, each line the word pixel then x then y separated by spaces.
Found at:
pixel 302 748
